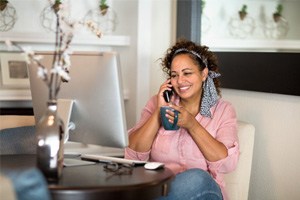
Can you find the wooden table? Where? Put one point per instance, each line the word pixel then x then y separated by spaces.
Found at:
pixel 92 182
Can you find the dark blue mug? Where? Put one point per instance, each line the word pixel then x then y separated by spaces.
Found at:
pixel 165 121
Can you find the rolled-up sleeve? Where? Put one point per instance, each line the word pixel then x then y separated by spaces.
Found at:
pixel 146 114
pixel 134 155
pixel 227 164
pixel 227 134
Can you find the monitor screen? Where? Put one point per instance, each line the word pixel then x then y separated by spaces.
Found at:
pixel 95 87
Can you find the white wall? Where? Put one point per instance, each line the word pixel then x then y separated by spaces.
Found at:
pixel 163 26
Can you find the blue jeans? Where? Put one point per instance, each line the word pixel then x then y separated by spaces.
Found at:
pixel 194 184
pixel 29 184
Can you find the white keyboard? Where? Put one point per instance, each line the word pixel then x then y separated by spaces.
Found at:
pixel 100 158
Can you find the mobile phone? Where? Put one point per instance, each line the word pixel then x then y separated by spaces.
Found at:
pixel 167 95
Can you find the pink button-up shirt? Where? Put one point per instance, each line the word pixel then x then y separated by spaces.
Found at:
pixel 178 150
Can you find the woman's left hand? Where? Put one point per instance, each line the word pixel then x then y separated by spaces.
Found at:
pixel 185 118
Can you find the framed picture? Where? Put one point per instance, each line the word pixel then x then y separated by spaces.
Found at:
pixel 14 70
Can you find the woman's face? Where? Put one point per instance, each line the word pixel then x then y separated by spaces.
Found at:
pixel 186 77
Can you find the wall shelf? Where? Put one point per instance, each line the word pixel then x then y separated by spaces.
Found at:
pixel 15 95
pixel 81 42
pixel 82 39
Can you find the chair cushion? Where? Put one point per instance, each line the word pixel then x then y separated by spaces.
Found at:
pixel 19 140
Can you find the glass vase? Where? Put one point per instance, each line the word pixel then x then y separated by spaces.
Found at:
pixel 50 143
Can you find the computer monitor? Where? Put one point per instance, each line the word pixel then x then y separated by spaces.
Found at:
pixel 96 88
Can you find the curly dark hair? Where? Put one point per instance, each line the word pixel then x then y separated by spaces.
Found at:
pixel 209 59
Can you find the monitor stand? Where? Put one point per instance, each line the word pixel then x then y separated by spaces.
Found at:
pixel 64 110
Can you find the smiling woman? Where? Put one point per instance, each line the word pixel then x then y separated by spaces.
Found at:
pixel 205 144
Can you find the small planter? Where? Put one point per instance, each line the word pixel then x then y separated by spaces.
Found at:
pixel 243 12
pixel 276 17
pixel 103 9
pixel 242 15
pixel 55 6
pixel 277 13
pixel 3 5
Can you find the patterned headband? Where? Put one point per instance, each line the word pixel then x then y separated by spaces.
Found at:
pixel 191 52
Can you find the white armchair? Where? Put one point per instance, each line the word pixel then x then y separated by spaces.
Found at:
pixel 237 182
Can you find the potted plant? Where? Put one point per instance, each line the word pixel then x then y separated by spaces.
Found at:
pixel 243 12
pixel 278 13
pixel 3 4
pixel 56 5
pixel 103 7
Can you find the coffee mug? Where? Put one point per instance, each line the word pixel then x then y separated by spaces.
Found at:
pixel 165 121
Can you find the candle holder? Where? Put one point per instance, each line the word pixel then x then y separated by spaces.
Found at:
pixel 8 16
pixel 241 25
pixel 277 26
pixel 104 16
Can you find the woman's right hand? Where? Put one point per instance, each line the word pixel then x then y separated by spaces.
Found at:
pixel 160 97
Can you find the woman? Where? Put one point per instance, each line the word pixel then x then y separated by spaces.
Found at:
pixel 206 145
